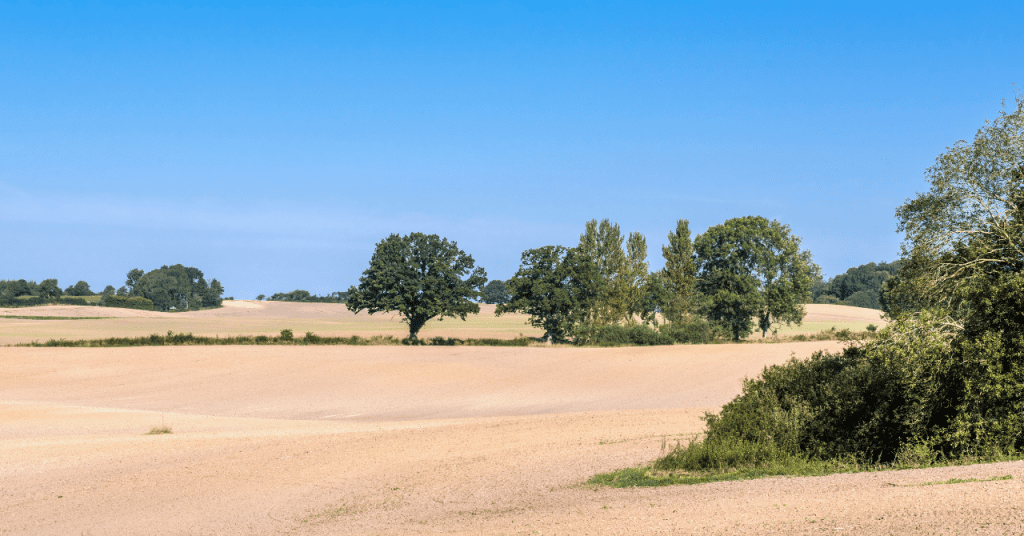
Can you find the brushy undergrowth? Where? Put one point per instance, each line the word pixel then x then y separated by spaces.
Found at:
pixel 924 393
pixel 285 338
pixel 653 476
pixel 158 430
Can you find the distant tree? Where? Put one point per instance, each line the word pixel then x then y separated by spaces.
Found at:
pixel 19 288
pixel 557 287
pixel 108 290
pixel 420 277
pixel 295 295
pixel 133 277
pixel 496 292
pixel 80 288
pixel 858 287
pixel 122 291
pixel 260 297
pixel 679 275
pixel 752 267
pixel 300 295
pixel 177 287
pixel 50 289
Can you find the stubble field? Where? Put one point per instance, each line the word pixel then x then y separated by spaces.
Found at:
pixel 396 440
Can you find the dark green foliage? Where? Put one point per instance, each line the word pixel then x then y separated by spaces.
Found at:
pixel 695 330
pixel 621 335
pixel 496 292
pixel 49 288
pixel 80 288
pixel 187 339
pixel 557 287
pixel 420 277
pixel 135 302
pixel 305 296
pixel 858 287
pixel 260 297
pixel 678 281
pixel 692 330
pixel 753 267
pixel 26 298
pixel 174 288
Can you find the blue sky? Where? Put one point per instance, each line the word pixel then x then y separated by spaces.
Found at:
pixel 272 144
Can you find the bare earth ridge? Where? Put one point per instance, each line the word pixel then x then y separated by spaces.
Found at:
pixel 397 440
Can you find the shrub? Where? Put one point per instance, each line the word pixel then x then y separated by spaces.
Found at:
pixel 618 335
pixel 287 335
pixel 135 302
pixel 695 330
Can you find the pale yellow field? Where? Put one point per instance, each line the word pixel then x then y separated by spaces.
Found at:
pixel 410 440
pixel 269 318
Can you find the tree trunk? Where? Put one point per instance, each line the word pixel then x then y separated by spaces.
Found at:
pixel 415 323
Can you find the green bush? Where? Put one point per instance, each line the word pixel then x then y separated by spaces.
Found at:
pixel 135 302
pixel 695 330
pixel 921 391
pixel 619 335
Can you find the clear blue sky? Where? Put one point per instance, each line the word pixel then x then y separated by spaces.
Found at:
pixel 272 145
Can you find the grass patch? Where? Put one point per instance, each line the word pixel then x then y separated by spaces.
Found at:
pixel 966 480
pixel 286 338
pixel 651 476
pixel 157 430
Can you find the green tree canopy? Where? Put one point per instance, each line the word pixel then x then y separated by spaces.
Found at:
pixel 80 288
pixel 752 267
pixel 601 242
pixel 557 287
pixel 177 287
pixel 963 232
pixel 496 292
pixel 679 276
pixel 49 288
pixel 860 286
pixel 420 277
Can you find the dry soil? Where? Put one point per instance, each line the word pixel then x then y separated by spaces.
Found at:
pixel 400 440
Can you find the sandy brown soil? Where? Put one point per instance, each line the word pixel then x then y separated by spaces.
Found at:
pixel 397 440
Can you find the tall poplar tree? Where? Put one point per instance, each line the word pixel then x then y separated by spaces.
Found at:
pixel 679 276
pixel 633 281
pixel 602 243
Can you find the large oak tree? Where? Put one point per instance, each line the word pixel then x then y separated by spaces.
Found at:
pixel 420 277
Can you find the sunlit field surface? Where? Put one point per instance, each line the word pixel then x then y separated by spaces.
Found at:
pixel 269 318
pixel 406 440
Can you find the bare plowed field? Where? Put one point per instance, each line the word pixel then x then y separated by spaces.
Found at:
pixel 400 440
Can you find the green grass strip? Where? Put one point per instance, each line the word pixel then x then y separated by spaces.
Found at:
pixel 21 317
pixel 645 477
pixel 966 480
pixel 285 339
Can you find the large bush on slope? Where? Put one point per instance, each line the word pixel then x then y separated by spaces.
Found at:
pixel 947 376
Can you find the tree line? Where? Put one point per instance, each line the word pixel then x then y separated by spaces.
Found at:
pixel 861 286
pixel 300 295
pixel 745 273
pixel 168 288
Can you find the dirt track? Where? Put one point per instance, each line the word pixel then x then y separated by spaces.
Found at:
pixel 394 440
